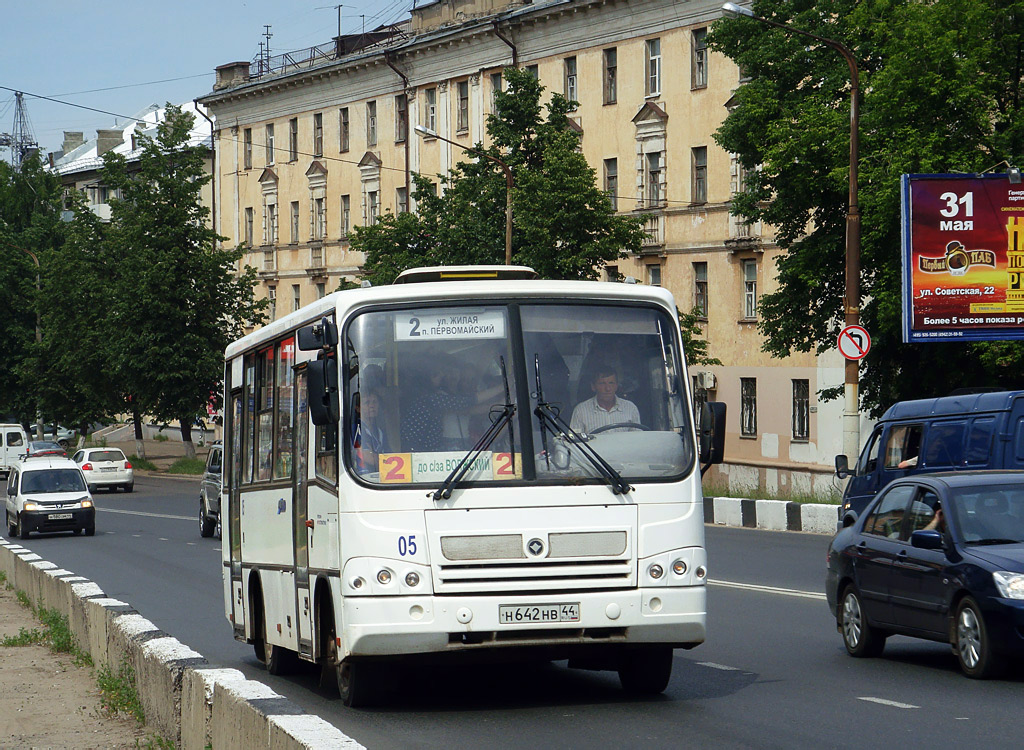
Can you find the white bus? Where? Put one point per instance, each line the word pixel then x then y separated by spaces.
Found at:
pixel 499 467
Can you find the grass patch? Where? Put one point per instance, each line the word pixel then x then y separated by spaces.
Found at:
pixel 23 599
pixel 25 637
pixel 3 577
pixel 155 742
pixel 90 442
pixel 55 634
pixel 186 465
pixel 160 438
pixel 141 463
pixel 118 693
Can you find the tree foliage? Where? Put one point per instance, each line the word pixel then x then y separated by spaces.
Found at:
pixel 941 86
pixel 176 299
pixel 563 225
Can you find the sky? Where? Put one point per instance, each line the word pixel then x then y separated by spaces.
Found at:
pixel 120 56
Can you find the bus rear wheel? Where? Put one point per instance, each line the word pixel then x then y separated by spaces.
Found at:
pixel 646 671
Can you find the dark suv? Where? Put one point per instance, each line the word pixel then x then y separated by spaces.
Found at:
pixel 209 493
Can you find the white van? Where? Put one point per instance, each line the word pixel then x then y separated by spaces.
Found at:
pixel 13 445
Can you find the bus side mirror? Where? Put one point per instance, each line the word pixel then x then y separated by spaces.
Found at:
pixel 842 466
pixel 712 433
pixel 322 335
pixel 324 405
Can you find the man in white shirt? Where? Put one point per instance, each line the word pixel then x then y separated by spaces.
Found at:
pixel 604 408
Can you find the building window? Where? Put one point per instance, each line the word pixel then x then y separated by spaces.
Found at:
pixel 611 72
pixel 270 144
pixel 371 123
pixel 247 148
pixel 319 219
pixel 430 109
pixel 401 118
pixel 654 274
pixel 571 89
pixel 271 223
pixel 272 298
pixel 296 297
pixel 318 134
pixel 801 410
pixel 750 289
pixel 652 85
pixel 345 133
pixel 371 207
pixel 700 397
pixel 654 179
pixel 321 290
pixel 268 259
pixel 699 59
pixel 748 407
pixel 293 139
pixel 611 273
pixel 534 71
pixel 611 181
pixel 295 222
pixel 248 226
pixel 700 289
pixel 316 257
pixel 346 215
pixel 700 174
pixel 462 116
pixel 401 200
pixel 495 88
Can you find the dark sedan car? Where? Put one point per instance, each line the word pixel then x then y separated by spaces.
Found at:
pixel 44 448
pixel 935 556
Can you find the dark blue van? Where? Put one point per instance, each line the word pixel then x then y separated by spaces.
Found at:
pixel 971 431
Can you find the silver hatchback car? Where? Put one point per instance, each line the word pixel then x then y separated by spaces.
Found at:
pixel 105 467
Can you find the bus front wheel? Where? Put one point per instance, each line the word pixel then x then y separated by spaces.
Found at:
pixel 359 682
pixel 646 671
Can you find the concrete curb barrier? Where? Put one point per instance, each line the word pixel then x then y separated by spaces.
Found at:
pixel 185 699
pixel 771 515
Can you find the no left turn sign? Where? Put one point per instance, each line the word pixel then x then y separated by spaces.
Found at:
pixel 854 342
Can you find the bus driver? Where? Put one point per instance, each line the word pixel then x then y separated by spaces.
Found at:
pixel 605 408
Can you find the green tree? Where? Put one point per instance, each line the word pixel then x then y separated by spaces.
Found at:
pixel 177 300
pixel 563 225
pixel 941 92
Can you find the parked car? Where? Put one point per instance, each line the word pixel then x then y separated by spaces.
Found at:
pixel 935 556
pixel 64 436
pixel 12 445
pixel 105 467
pixel 209 493
pixel 48 494
pixel 44 448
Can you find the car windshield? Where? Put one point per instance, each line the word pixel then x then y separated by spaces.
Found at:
pixel 991 515
pixel 44 446
pixel 53 480
pixel 432 387
pixel 113 455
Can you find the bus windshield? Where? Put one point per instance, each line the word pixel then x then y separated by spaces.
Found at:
pixel 424 384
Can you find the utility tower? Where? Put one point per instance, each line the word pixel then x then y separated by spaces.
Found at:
pixel 20 138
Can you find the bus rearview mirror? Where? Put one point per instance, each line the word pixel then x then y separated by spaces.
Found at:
pixel 322 335
pixel 712 433
pixel 324 404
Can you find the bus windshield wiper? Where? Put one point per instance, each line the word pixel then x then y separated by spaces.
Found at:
pixel 499 418
pixel 551 419
pixel 994 541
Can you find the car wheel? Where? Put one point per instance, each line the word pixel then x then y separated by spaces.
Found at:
pixel 860 638
pixel 12 529
pixel 20 531
pixel 205 524
pixel 646 672
pixel 90 531
pixel 218 532
pixel 130 487
pixel 978 659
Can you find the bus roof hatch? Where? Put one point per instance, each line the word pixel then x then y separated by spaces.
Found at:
pixel 465 273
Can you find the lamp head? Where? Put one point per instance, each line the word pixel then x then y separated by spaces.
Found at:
pixel 1014 174
pixel 425 132
pixel 733 9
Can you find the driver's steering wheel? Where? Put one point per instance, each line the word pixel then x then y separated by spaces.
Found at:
pixel 618 425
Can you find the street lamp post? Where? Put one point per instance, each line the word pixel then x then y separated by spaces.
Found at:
pixel 851 301
pixel 39 336
pixel 428 133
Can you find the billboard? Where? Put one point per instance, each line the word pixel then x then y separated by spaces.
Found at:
pixel 963 257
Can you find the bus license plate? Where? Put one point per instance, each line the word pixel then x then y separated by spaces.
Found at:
pixel 538 613
pixel 59 516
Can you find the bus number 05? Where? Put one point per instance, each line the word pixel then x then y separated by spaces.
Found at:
pixel 407 545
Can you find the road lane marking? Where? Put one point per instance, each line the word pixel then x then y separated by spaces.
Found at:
pixel 143 513
pixel 712 665
pixel 884 702
pixel 768 589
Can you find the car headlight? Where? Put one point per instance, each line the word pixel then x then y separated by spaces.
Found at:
pixel 87 503
pixel 29 505
pixel 1010 585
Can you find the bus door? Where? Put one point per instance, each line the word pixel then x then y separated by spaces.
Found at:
pixel 302 526
pixel 234 525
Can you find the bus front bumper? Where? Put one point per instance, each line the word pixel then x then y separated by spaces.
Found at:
pixel 392 625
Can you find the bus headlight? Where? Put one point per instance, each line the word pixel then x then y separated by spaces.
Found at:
pixel 655 571
pixel 412 579
pixel 356 583
pixel 679 567
pixel 384 576
pixel 701 572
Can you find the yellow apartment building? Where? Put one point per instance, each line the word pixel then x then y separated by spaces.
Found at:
pixel 310 144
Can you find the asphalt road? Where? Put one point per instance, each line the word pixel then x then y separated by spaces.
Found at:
pixel 772 674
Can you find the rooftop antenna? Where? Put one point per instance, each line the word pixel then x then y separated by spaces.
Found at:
pixel 337 8
pixel 266 47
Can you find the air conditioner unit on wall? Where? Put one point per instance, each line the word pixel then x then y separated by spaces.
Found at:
pixel 707 380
